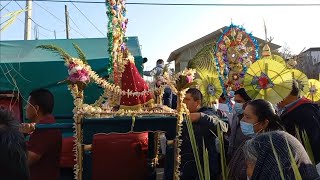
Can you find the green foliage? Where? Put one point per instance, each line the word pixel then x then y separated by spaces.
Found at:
pixel 194 147
pixel 55 49
pixel 307 146
pixel 81 54
pixel 294 165
pixel 206 164
pixel 222 154
pixel 304 139
pixel 277 159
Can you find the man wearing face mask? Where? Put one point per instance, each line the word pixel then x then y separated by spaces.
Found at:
pixel 236 136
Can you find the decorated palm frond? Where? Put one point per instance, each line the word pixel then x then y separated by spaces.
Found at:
pixel 81 54
pixel 304 139
pixel 194 147
pixel 56 49
pixel 12 16
pixel 203 62
pixel 223 160
pixel 277 159
pixel 211 90
pixel 268 80
pixel 206 164
pixel 294 165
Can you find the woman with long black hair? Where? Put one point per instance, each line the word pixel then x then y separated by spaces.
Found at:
pixel 259 116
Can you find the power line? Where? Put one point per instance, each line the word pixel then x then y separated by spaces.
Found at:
pixel 88 19
pixel 182 4
pixel 5 5
pixel 23 23
pixel 33 20
pixel 74 22
pixel 49 12
pixel 60 19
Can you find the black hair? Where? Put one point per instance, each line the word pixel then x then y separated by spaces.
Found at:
pixel 264 110
pixel 243 94
pixel 160 61
pixel 222 96
pixel 195 94
pixel 13 150
pixel 144 60
pixel 295 88
pixel 44 99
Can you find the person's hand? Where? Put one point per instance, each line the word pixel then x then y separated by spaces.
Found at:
pixel 27 128
pixel 194 117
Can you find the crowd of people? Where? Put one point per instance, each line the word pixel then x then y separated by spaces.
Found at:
pixel 254 126
pixel 251 128
pixel 262 140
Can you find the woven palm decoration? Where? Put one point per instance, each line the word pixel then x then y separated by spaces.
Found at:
pixel 211 90
pixel 314 90
pixel 203 62
pixel 302 80
pixel 269 80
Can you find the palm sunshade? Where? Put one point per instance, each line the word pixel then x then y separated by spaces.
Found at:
pixel 269 80
pixel 314 90
pixel 302 80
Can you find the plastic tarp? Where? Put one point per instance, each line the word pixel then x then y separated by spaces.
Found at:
pixel 23 67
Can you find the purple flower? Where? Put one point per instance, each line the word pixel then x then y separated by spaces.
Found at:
pixel 123 25
pixel 123 47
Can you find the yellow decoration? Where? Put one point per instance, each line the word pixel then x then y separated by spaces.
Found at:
pixel 276 58
pixel 266 50
pixel 314 90
pixel 203 62
pixel 269 80
pixel 211 90
pixel 302 80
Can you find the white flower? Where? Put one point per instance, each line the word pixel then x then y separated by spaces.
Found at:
pixel 78 68
pixel 77 102
pixel 72 71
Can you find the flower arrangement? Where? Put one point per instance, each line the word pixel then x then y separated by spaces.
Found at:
pixel 77 69
pixel 117 25
pixel 78 74
pixel 180 81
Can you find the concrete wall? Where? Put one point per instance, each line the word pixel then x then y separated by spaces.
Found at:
pixel 309 63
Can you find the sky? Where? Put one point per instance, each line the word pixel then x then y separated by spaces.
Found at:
pixel 163 29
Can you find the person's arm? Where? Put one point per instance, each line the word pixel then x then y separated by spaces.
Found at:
pixel 211 121
pixel 150 73
pixel 33 158
pixel 38 144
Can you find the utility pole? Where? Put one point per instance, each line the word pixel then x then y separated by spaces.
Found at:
pixel 67 21
pixel 27 23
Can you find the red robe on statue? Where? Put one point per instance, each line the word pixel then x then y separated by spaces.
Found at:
pixel 131 80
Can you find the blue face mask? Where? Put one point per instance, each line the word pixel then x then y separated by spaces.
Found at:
pixel 247 128
pixel 238 108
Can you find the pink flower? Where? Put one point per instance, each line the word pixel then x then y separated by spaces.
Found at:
pixel 84 78
pixel 71 65
pixel 189 79
pixel 74 77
